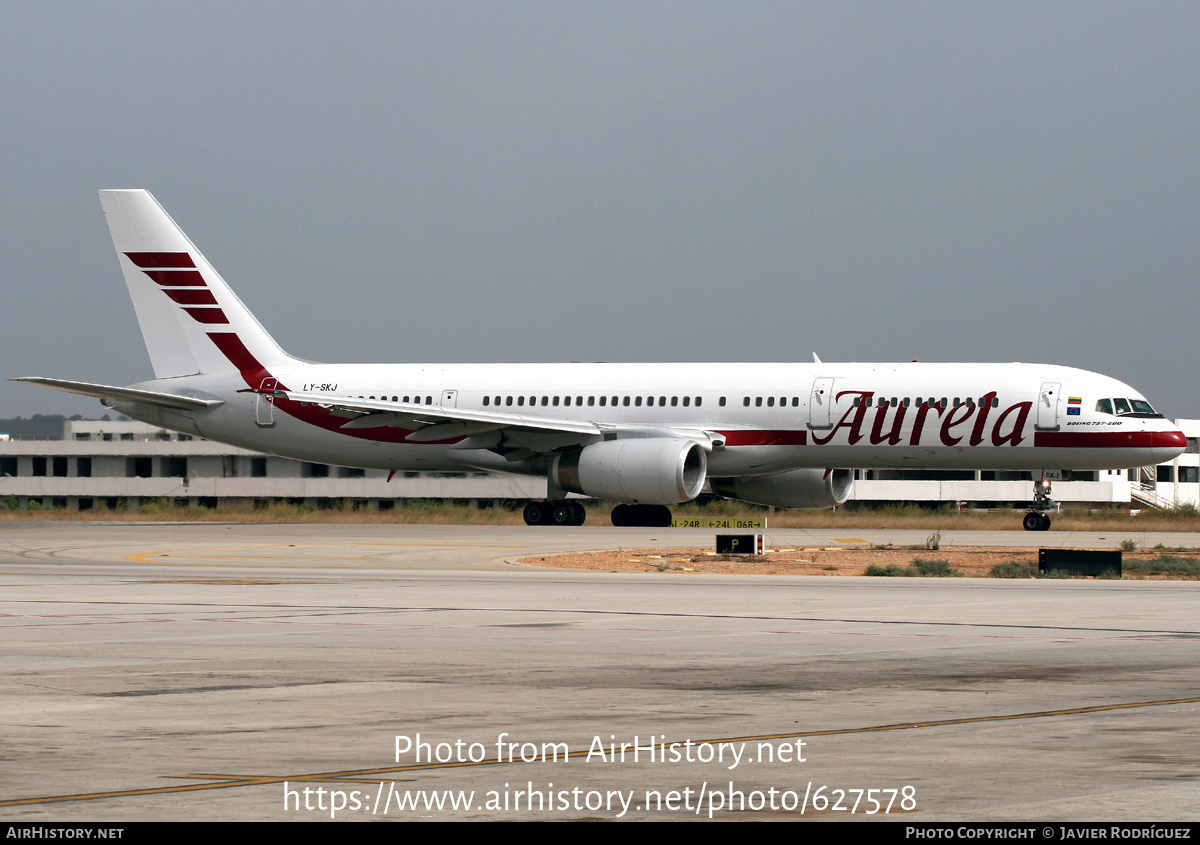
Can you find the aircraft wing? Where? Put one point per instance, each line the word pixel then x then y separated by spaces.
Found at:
pixel 124 394
pixel 435 422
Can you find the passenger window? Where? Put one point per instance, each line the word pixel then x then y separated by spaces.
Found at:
pixel 770 401
pixel 746 401
pixel 520 400
pixel 485 401
pixel 757 401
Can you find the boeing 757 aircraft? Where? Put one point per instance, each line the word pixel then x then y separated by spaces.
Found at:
pixel 644 435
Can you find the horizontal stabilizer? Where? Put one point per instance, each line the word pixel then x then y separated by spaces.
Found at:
pixel 124 394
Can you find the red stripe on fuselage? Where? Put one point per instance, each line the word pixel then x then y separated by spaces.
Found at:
pixel 231 347
pixel 1110 439
pixel 758 437
pixel 161 259
pixel 253 373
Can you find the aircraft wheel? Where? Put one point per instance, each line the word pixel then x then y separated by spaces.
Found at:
pixel 1045 522
pixel 621 516
pixel 1033 522
pixel 537 513
pixel 580 513
pixel 562 513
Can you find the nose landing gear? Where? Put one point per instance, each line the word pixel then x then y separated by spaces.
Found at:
pixel 1037 519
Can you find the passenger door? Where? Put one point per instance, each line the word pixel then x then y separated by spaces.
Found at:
pixel 1047 406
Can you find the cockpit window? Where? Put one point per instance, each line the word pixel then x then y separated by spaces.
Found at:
pixel 1127 408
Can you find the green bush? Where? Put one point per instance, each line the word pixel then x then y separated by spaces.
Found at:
pixel 1164 565
pixel 919 569
pixel 152 506
pixel 934 568
pixel 887 571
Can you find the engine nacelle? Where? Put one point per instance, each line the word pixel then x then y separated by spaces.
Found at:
pixel 650 470
pixel 798 488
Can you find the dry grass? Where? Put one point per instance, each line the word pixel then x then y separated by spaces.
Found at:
pixel 419 511
pixel 416 513
pixel 964 561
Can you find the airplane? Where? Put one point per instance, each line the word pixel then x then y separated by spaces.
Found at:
pixel 647 436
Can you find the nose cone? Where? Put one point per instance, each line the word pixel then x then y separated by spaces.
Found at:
pixel 1168 445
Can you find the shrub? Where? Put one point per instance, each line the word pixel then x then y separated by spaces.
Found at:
pixel 1016 569
pixel 1164 565
pixel 934 568
pixel 886 571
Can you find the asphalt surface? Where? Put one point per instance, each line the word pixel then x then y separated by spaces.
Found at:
pixel 283 672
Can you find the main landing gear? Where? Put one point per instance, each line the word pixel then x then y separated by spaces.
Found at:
pixel 561 512
pixel 1036 519
pixel 571 512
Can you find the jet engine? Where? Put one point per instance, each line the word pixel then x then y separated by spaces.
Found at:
pixel 651 470
pixel 798 488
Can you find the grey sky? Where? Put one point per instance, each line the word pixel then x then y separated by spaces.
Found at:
pixel 616 181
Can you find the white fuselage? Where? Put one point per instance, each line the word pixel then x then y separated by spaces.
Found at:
pixel 765 418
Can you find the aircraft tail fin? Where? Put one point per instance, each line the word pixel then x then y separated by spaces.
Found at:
pixel 191 320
